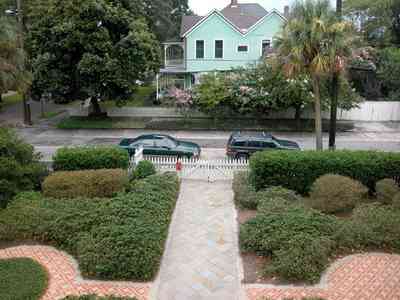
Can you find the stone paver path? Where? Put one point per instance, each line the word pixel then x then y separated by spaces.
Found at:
pixel 357 277
pixel 65 279
pixel 202 257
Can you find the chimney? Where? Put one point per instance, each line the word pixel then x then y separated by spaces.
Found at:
pixel 286 11
pixel 234 3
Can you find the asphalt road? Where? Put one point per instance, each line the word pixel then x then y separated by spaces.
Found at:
pixel 47 141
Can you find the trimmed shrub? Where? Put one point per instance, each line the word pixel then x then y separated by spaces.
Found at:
pixel 297 170
pixel 144 169
pixel 118 238
pixel 90 158
pixel 245 196
pixel 335 193
pixel 274 205
pixel 90 183
pixel 386 189
pixel 276 199
pixel 396 200
pixel 20 168
pixel 305 257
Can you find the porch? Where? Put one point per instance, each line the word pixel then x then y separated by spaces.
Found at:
pixel 174 55
pixel 167 80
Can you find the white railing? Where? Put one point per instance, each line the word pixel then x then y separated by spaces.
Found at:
pixel 220 169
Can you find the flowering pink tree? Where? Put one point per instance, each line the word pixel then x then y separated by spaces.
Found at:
pixel 183 100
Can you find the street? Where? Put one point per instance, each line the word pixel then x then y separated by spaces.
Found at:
pixel 213 143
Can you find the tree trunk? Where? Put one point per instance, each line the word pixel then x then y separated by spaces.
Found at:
pixel 1 97
pixel 318 114
pixel 297 117
pixel 334 105
pixel 96 112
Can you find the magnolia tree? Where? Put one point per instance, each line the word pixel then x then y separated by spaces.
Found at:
pixel 183 100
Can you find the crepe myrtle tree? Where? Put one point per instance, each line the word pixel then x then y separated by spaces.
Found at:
pixel 90 49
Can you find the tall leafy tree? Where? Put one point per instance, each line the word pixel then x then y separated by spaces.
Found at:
pixel 305 46
pixel 93 49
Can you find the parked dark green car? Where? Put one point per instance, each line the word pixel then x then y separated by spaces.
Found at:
pixel 158 144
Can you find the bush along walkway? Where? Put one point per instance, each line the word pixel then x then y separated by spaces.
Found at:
pixel 356 277
pixel 202 256
pixel 64 276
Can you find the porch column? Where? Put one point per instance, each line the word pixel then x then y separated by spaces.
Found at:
pixel 157 85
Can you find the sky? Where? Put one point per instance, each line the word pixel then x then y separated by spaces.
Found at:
pixel 203 7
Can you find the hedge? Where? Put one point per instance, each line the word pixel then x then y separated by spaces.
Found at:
pixel 90 158
pixel 120 238
pixel 297 170
pixel 20 169
pixel 90 183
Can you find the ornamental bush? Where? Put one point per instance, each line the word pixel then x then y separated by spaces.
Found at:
pixel 144 169
pixel 20 168
pixel 335 193
pixel 386 189
pixel 90 158
pixel 297 170
pixel 89 183
pixel 396 201
pixel 120 238
pixel 245 196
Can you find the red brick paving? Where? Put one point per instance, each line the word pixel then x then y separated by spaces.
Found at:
pixel 65 279
pixel 358 277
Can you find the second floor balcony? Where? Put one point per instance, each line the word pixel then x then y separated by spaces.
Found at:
pixel 174 56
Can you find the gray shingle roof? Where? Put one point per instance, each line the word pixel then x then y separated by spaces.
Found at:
pixel 243 16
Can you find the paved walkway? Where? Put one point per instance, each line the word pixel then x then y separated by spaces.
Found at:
pixel 358 277
pixel 202 256
pixel 65 279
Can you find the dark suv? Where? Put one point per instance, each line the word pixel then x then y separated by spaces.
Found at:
pixel 243 145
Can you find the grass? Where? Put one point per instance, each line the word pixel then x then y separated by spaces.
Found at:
pixel 139 99
pixel 105 123
pixel 10 100
pixel 22 279
pixel 50 114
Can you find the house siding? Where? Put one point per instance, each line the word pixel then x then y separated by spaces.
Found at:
pixel 216 28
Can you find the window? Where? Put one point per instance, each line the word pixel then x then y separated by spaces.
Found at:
pixel 243 48
pixel 268 145
pixel 239 144
pixel 266 47
pixel 199 49
pixel 254 144
pixel 219 49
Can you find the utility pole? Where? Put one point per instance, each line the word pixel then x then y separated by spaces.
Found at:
pixel 334 93
pixel 25 100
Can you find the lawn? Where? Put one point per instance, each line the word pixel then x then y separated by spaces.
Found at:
pixel 22 279
pixel 141 98
pixel 10 100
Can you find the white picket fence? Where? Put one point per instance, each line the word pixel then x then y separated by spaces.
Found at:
pixel 199 169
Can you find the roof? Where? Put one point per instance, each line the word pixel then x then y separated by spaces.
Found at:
pixel 242 16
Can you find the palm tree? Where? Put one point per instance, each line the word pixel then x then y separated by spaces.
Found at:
pixel 12 58
pixel 305 46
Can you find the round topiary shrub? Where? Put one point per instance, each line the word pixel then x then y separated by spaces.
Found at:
pixel 386 189
pixel 144 169
pixel 274 205
pixel 336 193
pixel 276 198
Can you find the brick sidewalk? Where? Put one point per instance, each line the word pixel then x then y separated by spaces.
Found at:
pixel 356 277
pixel 65 279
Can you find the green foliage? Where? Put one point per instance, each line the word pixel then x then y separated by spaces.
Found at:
pixel 291 237
pixel 245 195
pixel 276 199
pixel 90 158
pixel 297 170
pixel 372 226
pixel 132 227
pixel 335 193
pixel 20 169
pixel 305 257
pixel 144 169
pixel 85 184
pixel 389 72
pixel 97 49
pixel 396 201
pixel 22 279
pixel 94 297
pixel 386 189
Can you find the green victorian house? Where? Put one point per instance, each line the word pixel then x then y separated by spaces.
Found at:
pixel 238 35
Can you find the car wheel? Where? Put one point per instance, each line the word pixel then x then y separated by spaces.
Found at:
pixel 242 156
